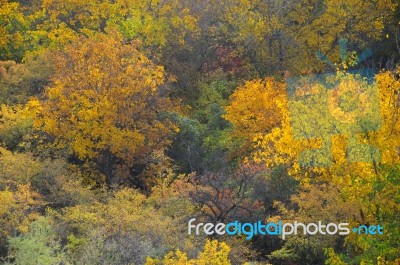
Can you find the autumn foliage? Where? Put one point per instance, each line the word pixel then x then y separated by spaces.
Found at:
pixel 122 120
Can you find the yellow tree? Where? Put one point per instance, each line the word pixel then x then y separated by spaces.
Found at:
pixel 105 103
pixel 322 116
pixel 256 108
pixel 364 191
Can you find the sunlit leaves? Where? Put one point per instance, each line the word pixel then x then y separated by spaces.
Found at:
pixel 257 107
pixel 214 253
pixel 105 97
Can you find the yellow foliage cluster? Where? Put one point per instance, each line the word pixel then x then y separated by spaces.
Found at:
pixel 262 116
pixel 56 23
pixel 105 97
pixel 387 138
pixel 257 107
pixel 278 146
pixel 18 209
pixel 214 253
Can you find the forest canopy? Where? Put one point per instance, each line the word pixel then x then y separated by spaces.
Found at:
pixel 122 120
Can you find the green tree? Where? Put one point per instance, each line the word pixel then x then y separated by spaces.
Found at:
pixel 38 246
